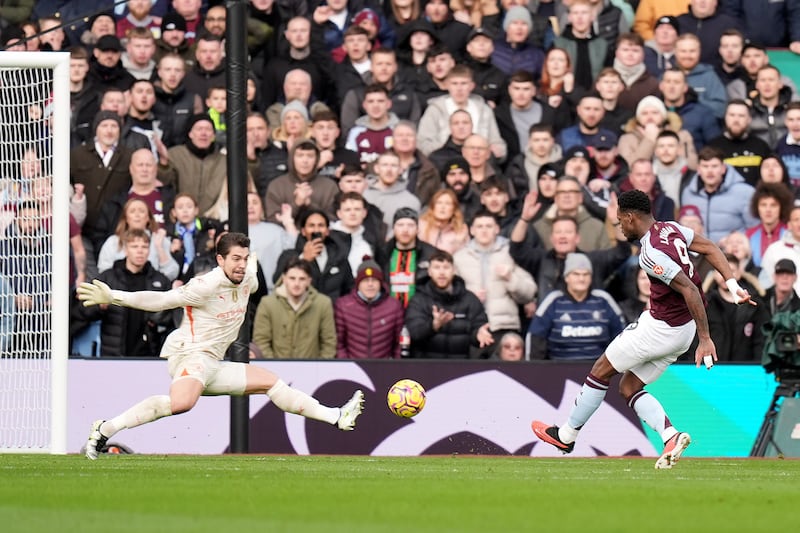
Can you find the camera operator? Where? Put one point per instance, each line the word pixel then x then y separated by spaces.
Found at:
pixel 325 249
pixel 782 296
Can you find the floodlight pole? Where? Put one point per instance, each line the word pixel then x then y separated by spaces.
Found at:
pixel 236 121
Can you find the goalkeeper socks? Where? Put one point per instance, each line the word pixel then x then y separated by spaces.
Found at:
pixel 147 410
pixel 649 409
pixel 591 396
pixel 297 402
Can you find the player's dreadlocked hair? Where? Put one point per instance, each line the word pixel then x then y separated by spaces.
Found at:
pixel 634 201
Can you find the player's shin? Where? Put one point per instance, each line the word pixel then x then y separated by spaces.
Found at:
pixel 589 399
pixel 650 410
pixel 297 402
pixel 147 410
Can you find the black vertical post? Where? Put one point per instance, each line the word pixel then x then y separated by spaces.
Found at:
pixel 236 120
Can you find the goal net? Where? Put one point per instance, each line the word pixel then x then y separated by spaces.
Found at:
pixel 34 250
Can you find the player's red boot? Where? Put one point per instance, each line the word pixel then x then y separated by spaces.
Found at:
pixel 673 449
pixel 549 434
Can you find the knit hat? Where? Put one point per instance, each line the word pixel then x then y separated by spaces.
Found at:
pixel 106 115
pixel 369 269
pixel 405 212
pixel 455 163
pixel 295 105
pixel 668 19
pixel 194 119
pixel 173 21
pixel 576 261
pixel 549 169
pixel 108 43
pixel 367 14
pixel 517 13
pixel 651 101
pixel 689 211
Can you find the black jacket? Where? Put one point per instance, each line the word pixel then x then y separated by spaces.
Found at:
pixel 456 338
pixel 125 331
pixel 337 278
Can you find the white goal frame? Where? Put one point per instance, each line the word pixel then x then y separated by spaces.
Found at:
pixel 58 62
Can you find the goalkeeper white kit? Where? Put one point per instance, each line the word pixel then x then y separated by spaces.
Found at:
pixel 214 310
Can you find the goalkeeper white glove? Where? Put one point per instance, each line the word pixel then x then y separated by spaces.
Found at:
pixel 734 288
pixel 94 293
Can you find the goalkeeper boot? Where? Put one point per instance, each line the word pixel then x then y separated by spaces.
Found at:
pixel 350 411
pixel 96 442
pixel 549 434
pixel 673 449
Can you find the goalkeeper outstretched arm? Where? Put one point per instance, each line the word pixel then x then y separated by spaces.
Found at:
pixel 98 293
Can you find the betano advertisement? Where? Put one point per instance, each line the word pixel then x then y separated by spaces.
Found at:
pixel 473 407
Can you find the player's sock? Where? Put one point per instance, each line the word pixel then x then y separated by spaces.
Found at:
pixel 294 401
pixel 147 410
pixel 591 396
pixel 649 409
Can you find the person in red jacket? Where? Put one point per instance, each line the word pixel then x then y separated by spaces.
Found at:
pixel 368 320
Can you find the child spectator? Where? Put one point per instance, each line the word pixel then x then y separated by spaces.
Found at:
pixel 216 102
pixel 191 235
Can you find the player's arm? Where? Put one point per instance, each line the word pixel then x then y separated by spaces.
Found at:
pixel 98 293
pixel 683 285
pixel 717 259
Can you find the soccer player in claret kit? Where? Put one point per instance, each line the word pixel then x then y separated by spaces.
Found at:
pixel 214 305
pixel 646 348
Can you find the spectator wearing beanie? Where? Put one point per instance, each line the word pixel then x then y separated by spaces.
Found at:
pixel 514 51
pixel 196 167
pixel 368 320
pixel 173 39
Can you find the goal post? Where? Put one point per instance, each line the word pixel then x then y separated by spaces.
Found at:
pixel 35 256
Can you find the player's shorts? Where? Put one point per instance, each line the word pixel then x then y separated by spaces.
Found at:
pixel 218 377
pixel 649 346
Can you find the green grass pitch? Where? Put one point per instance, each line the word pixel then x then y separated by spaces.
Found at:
pixel 222 494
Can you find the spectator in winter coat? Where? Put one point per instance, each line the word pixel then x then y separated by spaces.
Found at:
pixel 490 81
pixel 175 102
pixel 650 11
pixel 302 186
pixel 368 320
pixel 659 55
pixel 325 250
pixel 642 132
pixel 696 118
pixel 386 191
pixel 775 24
pixel 546 266
pixel 406 257
pixel 735 329
pixel 629 62
pixel 416 170
pixel 707 22
pixel 351 211
pixel 490 274
pixel 788 147
pixel 124 331
pixel 577 323
pixel 296 321
pixel 644 179
pixel 700 75
pixel 586 48
pixel 769 106
pixel 787 248
pixel 742 150
pixel 444 319
pixel 514 51
pixel 432 131
pixel 721 195
pixel 771 204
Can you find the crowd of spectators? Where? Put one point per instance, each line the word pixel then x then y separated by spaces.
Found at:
pixel 439 170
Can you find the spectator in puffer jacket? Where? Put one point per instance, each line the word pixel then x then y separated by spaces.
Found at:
pixel 444 319
pixel 368 320
pixel 721 195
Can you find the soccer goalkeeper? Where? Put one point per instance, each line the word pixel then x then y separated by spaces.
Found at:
pixel 214 305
